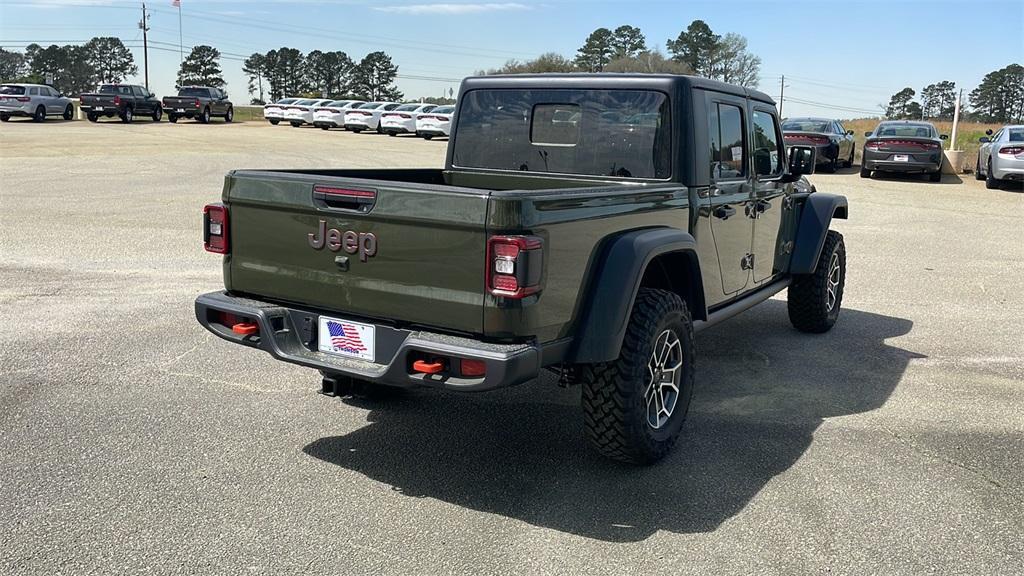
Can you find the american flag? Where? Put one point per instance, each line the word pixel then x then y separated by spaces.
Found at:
pixel 176 3
pixel 345 337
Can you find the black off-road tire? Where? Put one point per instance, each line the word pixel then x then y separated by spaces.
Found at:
pixel 5 117
pixel 428 136
pixel 158 114
pixel 40 114
pixel 274 121
pixel 93 117
pixel 935 176
pixel 229 116
pixel 295 124
pixel 172 118
pixel 615 411
pixel 204 118
pixel 990 181
pixel 69 112
pixel 808 297
pixel 128 115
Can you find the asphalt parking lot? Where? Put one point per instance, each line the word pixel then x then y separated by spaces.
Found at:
pixel 134 442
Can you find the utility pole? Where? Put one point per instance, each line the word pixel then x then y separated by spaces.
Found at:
pixel 144 25
pixel 782 93
pixel 956 119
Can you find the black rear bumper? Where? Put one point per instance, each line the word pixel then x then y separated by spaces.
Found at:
pixel 290 334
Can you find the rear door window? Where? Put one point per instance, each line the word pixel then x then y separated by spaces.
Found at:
pixel 617 133
pixel 33 91
pixel 728 144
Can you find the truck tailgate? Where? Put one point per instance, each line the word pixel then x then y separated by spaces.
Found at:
pixel 301 238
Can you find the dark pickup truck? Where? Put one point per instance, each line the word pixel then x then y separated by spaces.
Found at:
pixel 123 100
pixel 584 224
pixel 200 103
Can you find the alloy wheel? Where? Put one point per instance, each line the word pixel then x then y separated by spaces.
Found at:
pixel 664 371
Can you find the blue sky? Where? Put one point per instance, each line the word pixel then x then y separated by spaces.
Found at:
pixel 847 56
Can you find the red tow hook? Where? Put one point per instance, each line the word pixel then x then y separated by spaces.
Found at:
pixel 245 328
pixel 427 367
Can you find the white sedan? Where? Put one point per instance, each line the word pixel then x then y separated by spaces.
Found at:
pixel 332 114
pixel 274 112
pixel 367 116
pixel 402 120
pixel 437 123
pixel 301 112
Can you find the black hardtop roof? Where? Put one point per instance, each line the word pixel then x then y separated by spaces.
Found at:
pixel 606 80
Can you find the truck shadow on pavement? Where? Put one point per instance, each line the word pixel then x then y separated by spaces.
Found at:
pixel 762 391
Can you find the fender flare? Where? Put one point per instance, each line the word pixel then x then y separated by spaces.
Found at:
pixel 818 211
pixel 616 280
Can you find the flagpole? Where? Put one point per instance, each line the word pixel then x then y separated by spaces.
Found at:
pixel 181 51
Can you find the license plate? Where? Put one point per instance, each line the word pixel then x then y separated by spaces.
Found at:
pixel 901 158
pixel 98 108
pixel 180 110
pixel 345 338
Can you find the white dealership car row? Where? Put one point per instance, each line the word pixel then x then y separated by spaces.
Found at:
pixel 391 118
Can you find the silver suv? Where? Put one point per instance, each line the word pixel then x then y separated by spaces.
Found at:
pixel 35 101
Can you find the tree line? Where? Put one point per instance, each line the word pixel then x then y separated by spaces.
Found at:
pixel 287 72
pixel 75 69
pixel 998 99
pixel 697 50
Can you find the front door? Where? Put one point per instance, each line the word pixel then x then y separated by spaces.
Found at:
pixel 768 207
pixel 730 191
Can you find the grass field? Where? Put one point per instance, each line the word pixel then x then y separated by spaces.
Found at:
pixel 966 137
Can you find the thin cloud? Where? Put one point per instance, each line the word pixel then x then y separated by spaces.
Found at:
pixel 447 8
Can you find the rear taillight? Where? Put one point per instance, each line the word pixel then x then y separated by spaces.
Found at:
pixel 197 103
pixel 872 145
pixel 1011 150
pixel 514 265
pixel 24 99
pixel 215 228
pixel 81 99
pixel 117 100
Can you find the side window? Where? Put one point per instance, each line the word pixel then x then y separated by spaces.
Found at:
pixel 33 91
pixel 767 160
pixel 728 148
pixel 138 92
pixel 841 128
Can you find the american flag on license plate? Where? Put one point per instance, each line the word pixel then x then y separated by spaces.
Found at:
pixel 345 337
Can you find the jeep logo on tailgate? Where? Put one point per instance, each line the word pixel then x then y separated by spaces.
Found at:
pixel 365 243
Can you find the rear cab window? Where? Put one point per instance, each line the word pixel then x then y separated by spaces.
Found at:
pixel 587 132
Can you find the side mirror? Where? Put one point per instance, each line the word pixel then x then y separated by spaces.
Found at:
pixel 801 162
pixel 984 140
pixel 944 137
pixel 62 95
pixel 849 132
pixel 988 132
pixel 868 134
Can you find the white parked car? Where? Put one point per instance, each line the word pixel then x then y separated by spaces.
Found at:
pixel 301 112
pixel 437 123
pixel 1001 157
pixel 402 120
pixel 367 116
pixel 274 112
pixel 35 101
pixel 332 114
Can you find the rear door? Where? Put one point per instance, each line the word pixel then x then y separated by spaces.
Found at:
pixel 768 207
pixel 395 251
pixel 730 191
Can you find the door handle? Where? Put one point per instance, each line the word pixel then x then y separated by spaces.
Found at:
pixel 724 212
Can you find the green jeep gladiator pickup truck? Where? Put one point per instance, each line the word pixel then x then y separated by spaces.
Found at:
pixel 586 224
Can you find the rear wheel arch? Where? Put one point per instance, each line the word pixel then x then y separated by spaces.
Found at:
pixel 656 258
